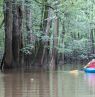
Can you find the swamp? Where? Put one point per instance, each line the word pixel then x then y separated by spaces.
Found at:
pixel 44 45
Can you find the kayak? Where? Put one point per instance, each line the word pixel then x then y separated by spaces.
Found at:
pixel 89 70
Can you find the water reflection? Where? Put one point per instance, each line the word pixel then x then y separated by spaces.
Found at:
pixel 47 84
pixel 90 77
pixel 1 86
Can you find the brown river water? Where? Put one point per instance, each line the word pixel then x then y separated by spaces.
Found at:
pixel 39 83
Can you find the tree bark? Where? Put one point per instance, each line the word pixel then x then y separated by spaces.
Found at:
pixel 28 21
pixel 92 41
pixel 45 55
pixel 8 17
pixel 20 17
pixel 63 34
pixel 17 43
pixel 54 53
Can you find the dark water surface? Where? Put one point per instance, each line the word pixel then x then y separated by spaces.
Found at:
pixel 39 83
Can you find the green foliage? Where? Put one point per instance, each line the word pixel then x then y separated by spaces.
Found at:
pixel 77 17
pixel 78 48
pixel 27 50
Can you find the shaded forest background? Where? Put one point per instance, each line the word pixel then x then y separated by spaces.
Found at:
pixel 46 32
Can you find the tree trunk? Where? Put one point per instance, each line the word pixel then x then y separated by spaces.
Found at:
pixel 54 53
pixel 8 17
pixel 92 41
pixel 16 33
pixel 13 33
pixel 44 15
pixel 45 56
pixel 28 21
pixel 20 17
pixel 41 48
pixel 63 34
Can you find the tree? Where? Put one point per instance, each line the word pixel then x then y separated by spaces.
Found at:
pixel 13 34
pixel 8 18
pixel 28 13
pixel 17 43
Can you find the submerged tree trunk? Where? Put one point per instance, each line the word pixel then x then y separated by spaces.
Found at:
pixel 41 49
pixel 45 56
pixel 16 33
pixel 63 34
pixel 20 17
pixel 13 34
pixel 54 53
pixel 8 17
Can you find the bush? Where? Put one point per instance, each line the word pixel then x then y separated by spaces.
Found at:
pixel 78 49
